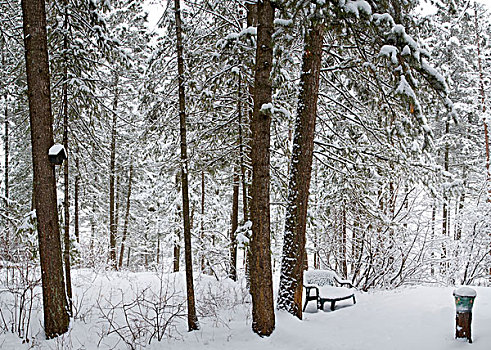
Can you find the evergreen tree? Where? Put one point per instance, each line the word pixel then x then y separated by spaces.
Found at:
pixel 55 306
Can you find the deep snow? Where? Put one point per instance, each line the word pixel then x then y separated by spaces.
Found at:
pixel 419 317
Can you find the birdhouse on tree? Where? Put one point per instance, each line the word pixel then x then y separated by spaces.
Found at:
pixel 57 154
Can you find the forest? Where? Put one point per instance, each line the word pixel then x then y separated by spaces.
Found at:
pixel 210 152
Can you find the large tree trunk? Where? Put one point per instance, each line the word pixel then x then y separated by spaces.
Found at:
pixel 292 264
pixel 56 318
pixel 126 218
pixel 192 318
pixel 66 202
pixel 112 173
pixel 263 318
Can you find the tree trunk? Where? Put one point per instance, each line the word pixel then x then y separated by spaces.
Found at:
pixel 126 218
pixel 202 228
pixel 483 109
pixel 192 318
pixel 292 264
pixel 236 187
pixel 445 211
pixel 92 220
pixel 158 245
pixel 77 179
pixel 252 21
pixel 483 105
pixel 235 224
pixel 112 171
pixel 6 155
pixel 177 246
pixel 433 224
pixel 344 229
pixel 263 318
pixel 56 318
pixel 177 257
pixel 6 159
pixel 117 203
pixel 460 208
pixel 128 256
pixel 66 202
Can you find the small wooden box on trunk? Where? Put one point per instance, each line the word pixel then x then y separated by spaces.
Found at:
pixel 57 154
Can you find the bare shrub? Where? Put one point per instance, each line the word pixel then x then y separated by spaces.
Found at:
pixel 151 314
pixel 19 297
pixel 217 297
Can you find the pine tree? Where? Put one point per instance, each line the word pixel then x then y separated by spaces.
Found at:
pixel 263 319
pixel 292 264
pixel 192 318
pixel 55 306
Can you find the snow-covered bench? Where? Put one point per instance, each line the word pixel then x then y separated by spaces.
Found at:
pixel 323 285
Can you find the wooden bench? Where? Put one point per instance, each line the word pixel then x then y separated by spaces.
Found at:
pixel 322 284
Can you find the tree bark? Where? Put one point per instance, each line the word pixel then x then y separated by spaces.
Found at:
pixel 126 218
pixel 192 318
pixel 66 202
pixel 292 264
pixel 56 318
pixel 263 318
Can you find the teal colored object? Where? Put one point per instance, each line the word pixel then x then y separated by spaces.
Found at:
pixel 464 299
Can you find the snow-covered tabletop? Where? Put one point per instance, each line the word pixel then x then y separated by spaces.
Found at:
pixel 335 292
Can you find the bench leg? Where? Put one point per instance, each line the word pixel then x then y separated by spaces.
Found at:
pixel 333 303
pixel 305 305
pixel 354 300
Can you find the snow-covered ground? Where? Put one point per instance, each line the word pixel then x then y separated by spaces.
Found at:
pixel 419 317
